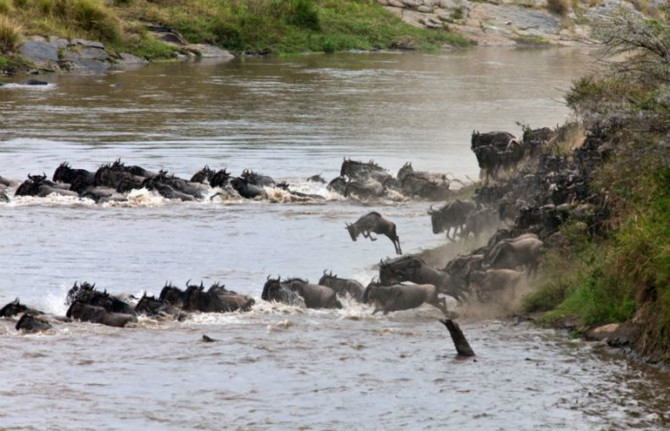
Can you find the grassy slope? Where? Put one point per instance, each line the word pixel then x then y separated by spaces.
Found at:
pixel 622 273
pixel 242 26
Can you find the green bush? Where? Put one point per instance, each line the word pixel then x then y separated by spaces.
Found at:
pixel 560 7
pixel 303 13
pixel 10 35
pixel 91 16
pixel 228 36
pixel 6 6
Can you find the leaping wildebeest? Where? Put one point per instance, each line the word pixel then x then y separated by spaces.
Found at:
pixel 374 223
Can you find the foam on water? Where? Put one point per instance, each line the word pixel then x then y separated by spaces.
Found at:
pixel 18 86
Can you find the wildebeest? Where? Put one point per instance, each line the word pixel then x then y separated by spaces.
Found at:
pixel 423 184
pixel 65 174
pixel 461 266
pixel 338 185
pixel 314 295
pixel 403 297
pixel 31 323
pixel 317 179
pixel 150 306
pixel 215 300
pixel 275 290
pixel 15 307
pixel 495 285
pixel 38 185
pixel 257 179
pixel 172 295
pixel 414 269
pixel 203 175
pixel 364 189
pixel 220 178
pixel 451 216
pixel 374 223
pixel 515 253
pixel 117 174
pixel 7 182
pixel 355 170
pixel 343 286
pixel 172 187
pixel 96 314
pixel 478 220
pixel 489 148
pixel 246 189
pixel 86 293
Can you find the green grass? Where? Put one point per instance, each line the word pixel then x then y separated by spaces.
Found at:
pixel 10 35
pixel 604 280
pixel 242 26
pixel 289 26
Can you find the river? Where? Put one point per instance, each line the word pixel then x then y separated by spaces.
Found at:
pixel 280 367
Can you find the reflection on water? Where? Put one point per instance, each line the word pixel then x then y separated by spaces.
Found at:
pixel 279 367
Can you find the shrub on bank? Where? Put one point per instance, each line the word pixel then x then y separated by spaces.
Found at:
pixel 10 35
pixel 560 7
pixel 625 271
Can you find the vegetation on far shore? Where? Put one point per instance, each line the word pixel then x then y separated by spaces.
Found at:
pixel 241 26
pixel 621 271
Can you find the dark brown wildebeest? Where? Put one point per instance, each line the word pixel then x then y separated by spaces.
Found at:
pixel 374 223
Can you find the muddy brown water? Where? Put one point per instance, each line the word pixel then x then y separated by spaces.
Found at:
pixel 280 367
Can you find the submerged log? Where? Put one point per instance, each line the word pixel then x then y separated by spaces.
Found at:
pixel 462 346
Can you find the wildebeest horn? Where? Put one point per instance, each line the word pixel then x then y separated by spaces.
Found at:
pixel 431 211
pixel 267 278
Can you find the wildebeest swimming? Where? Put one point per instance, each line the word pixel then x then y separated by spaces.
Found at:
pixel 374 223
pixel 342 286
pixel 312 295
pixel 112 182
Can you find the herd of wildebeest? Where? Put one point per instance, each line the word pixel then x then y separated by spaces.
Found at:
pixel 530 186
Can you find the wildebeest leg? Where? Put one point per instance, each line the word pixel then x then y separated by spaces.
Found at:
pixel 396 243
pixel 460 342
pixel 368 234
pixel 376 310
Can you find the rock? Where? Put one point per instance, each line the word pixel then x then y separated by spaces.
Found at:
pixel 602 332
pixel 86 59
pixel 166 34
pixel 33 82
pixel 615 334
pixel 36 38
pixel 209 51
pixel 88 44
pixel 432 22
pixel 451 4
pixel 41 53
pixel 608 8
pixel 129 59
pixel 395 3
pixel 412 4
pixel 59 42
pixel 425 9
